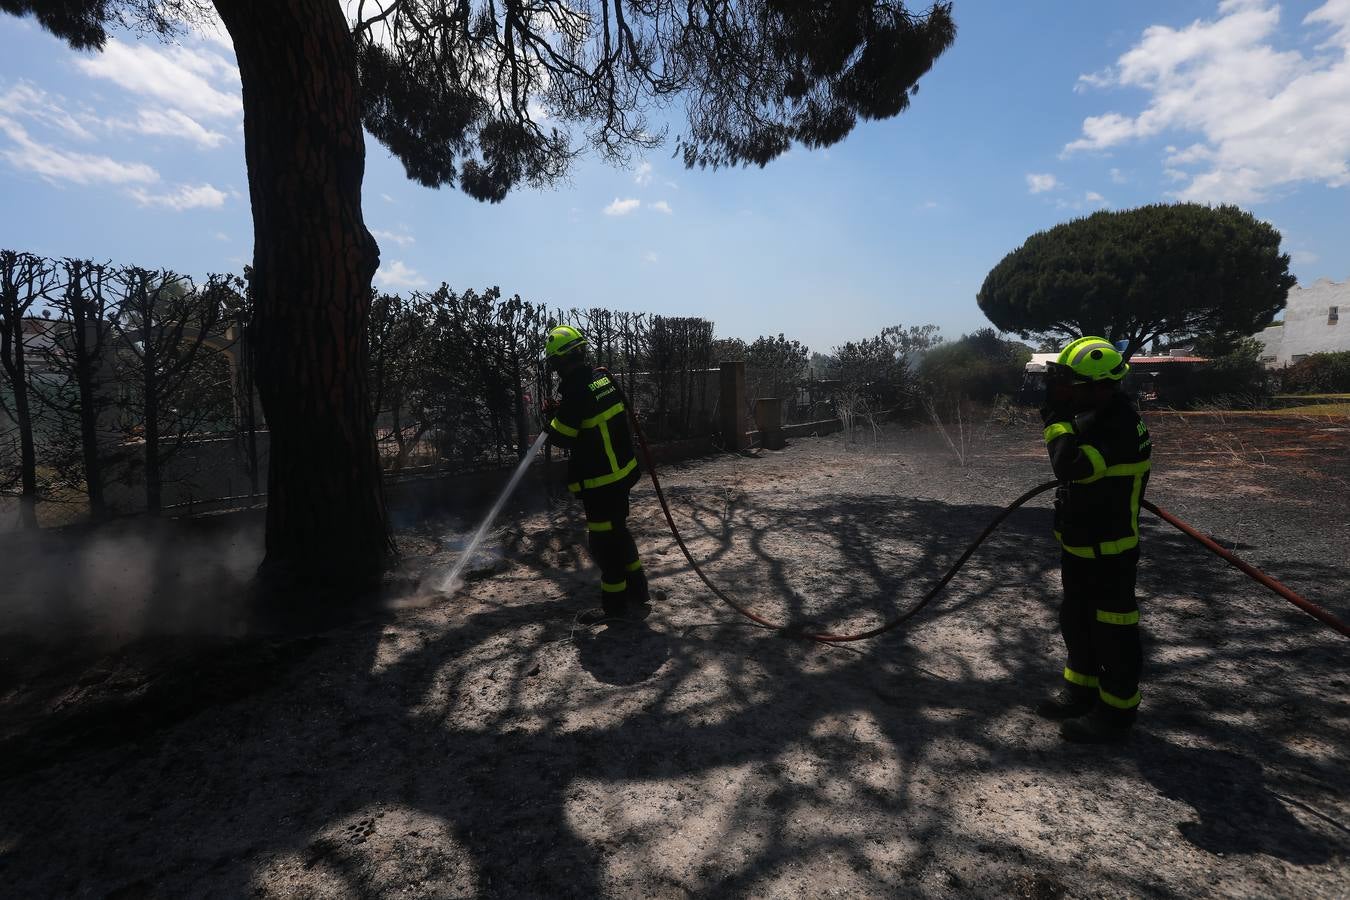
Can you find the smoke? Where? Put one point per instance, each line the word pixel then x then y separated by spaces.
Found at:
pixel 128 580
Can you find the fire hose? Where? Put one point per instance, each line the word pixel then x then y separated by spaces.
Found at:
pixel 825 637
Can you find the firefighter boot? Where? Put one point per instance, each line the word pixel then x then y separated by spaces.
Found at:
pixel 639 594
pixel 609 608
pixel 1101 726
pixel 1071 702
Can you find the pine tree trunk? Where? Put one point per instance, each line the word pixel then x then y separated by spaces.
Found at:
pixel 312 270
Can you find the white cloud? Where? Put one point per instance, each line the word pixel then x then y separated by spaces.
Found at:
pixel 1101 132
pixel 662 206
pixel 1303 257
pixel 1118 177
pixel 26 100
pixel 387 198
pixel 1039 184
pixel 650 257
pixel 399 275
pixel 1092 80
pixel 622 207
pixel 400 237
pixel 172 123
pixel 201 196
pixel 55 164
pixel 1087 201
pixel 643 175
pixel 1195 153
pixel 222 236
pixel 1268 118
pixel 176 76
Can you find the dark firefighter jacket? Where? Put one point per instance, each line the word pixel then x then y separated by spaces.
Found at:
pixel 592 423
pixel 1102 462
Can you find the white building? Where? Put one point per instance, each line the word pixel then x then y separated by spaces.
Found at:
pixel 1312 324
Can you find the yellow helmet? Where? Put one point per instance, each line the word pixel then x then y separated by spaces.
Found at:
pixel 1092 359
pixel 563 340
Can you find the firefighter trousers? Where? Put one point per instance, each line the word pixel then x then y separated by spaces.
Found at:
pixel 613 547
pixel 1099 619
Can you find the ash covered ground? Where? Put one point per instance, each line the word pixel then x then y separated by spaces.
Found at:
pixel 486 745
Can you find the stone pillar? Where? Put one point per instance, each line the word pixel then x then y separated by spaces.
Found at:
pixel 732 405
pixel 769 421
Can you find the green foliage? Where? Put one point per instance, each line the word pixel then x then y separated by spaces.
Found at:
pixel 729 350
pixel 778 353
pixel 1180 270
pixel 1318 373
pixel 775 367
pixel 978 366
pixel 880 368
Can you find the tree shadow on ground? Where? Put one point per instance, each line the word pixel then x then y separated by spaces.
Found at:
pixel 1238 813
pixel 493 751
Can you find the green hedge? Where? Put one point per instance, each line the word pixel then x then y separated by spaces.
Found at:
pixel 1320 373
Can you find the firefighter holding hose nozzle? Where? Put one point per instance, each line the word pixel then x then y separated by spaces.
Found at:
pixel 1100 451
pixel 591 422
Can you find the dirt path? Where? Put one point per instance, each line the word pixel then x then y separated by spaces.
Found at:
pixel 488 746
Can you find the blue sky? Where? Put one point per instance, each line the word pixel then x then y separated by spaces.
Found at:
pixel 1041 111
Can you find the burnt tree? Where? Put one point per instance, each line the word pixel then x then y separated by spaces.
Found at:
pixel 166 328
pixel 24 280
pixel 88 304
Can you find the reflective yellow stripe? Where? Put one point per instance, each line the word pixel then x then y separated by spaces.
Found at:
pixel 1084 349
pixel 563 428
pixel 634 566
pixel 1066 355
pixel 1135 496
pixel 605 479
pixel 1105 548
pixel 1099 469
pixel 609 447
pixel 1085 552
pixel 1118 702
pixel 574 487
pixel 1115 548
pixel 603 417
pixel 1057 429
pixel 1112 618
pixel 1079 678
pixel 599 526
pixel 615 587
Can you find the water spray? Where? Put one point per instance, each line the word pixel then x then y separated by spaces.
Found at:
pixel 453 581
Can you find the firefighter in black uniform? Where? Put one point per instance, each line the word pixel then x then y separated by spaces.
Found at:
pixel 591 421
pixel 1100 451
